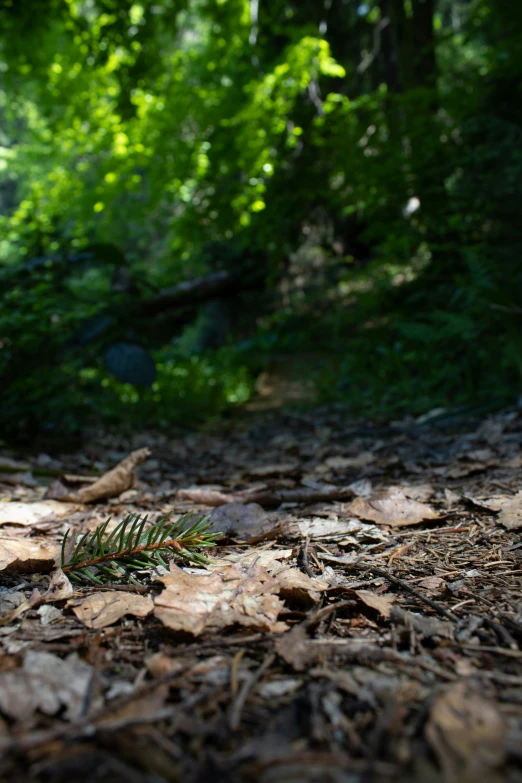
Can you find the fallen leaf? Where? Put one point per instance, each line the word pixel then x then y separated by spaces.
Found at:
pixel 426 626
pixel 107 607
pixel 26 479
pixel 432 583
pixel 511 513
pixel 296 586
pixel 294 648
pixel 269 497
pixel 207 497
pixel 242 519
pixel 464 470
pixel 382 603
pixel 9 601
pixel 29 514
pixel 49 614
pixel 219 599
pixel 158 665
pixel 277 688
pixel 264 471
pixel 138 709
pixel 420 492
pixel 318 528
pixel 342 463
pixel 60 587
pixel 392 508
pixel 46 683
pixel 268 558
pixel 115 481
pixel 466 732
pixel 26 555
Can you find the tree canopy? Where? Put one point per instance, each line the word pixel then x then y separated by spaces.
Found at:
pixel 347 175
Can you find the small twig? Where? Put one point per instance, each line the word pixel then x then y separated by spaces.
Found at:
pixel 404 586
pixel 234 671
pixel 320 614
pixel 501 632
pixel 240 700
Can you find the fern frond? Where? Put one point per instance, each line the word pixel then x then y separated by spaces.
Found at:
pixel 132 547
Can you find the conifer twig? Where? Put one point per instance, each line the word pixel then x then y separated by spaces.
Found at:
pixel 133 547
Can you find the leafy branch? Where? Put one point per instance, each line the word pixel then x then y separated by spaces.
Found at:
pixel 132 547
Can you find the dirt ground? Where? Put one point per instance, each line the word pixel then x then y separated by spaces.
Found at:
pixel 360 619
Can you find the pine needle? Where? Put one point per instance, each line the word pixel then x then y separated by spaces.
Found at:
pixel 133 547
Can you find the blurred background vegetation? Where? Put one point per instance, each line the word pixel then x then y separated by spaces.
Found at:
pixel 198 197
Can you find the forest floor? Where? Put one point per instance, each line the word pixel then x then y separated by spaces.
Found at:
pixel 361 619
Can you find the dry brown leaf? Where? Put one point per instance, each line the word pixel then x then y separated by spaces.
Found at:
pixel 271 497
pixel 207 497
pixel 242 519
pixel 511 513
pixel 342 463
pixel 268 558
pixel 14 479
pixel 466 732
pixel 264 471
pixel 296 586
pixel 420 492
pixel 294 648
pixel 26 555
pixel 115 481
pixel 318 528
pixel 392 508
pixel 107 607
pixel 382 603
pixel 46 683
pixel 432 583
pixel 29 514
pixel 425 626
pixel 159 665
pixel 228 596
pixel 460 471
pixel 59 589
pixel 137 710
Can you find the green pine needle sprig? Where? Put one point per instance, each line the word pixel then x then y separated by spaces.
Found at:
pixel 132 547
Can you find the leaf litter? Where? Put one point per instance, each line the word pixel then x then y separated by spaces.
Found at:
pixel 352 623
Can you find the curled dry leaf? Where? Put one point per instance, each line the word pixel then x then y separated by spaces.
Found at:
pixel 26 555
pixel 111 484
pixel 107 607
pixel 232 595
pixel 46 683
pixel 392 508
pixel 207 497
pixel 466 732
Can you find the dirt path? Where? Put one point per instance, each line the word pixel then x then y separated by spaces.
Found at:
pixel 361 619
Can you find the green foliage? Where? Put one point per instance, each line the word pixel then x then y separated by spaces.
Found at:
pixel 370 179
pixel 133 548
